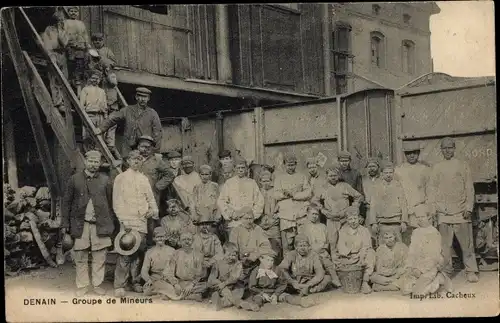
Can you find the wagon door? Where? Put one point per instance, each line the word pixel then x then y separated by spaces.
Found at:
pixel 438 105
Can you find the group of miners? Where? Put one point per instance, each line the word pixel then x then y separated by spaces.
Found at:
pixel 277 237
pixel 188 232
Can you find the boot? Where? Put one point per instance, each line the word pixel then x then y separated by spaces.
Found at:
pixel 365 288
pixel 472 277
pixel 60 259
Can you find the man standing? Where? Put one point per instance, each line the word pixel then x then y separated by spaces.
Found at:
pixel 157 172
pixel 226 167
pixel 87 216
pixel 133 203
pixel 451 197
pixel 413 177
pixel 55 40
pixel 349 175
pixel 370 182
pixel 316 182
pixel 186 182
pixel 138 119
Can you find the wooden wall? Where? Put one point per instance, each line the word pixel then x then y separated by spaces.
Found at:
pixel 278 48
pixel 180 43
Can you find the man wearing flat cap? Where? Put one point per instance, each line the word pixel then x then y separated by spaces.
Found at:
pixel 138 120
pixel 87 215
pixel 349 175
pixel 413 176
pixel 451 198
pixel 157 172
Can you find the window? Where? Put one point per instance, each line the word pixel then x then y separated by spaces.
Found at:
pixel 341 56
pixel 408 56
pixel 375 9
pixel 377 49
pixel 406 18
pixel 160 9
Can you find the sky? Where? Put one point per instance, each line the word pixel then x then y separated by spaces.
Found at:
pixel 463 38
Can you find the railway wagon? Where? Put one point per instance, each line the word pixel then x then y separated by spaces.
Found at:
pixel 372 122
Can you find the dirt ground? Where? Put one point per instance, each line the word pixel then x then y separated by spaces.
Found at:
pixel 59 283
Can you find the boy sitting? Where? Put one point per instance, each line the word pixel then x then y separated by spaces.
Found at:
pixel 266 282
pixel 354 248
pixel 225 281
pixel 389 264
pixel 208 244
pixel 303 271
pixel 318 239
pixel 184 273
pixel 425 261
pixel 176 222
pixel 155 261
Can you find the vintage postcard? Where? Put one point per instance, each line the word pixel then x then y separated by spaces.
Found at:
pixel 249 161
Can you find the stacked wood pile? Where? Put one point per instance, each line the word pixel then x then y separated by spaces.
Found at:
pixel 32 236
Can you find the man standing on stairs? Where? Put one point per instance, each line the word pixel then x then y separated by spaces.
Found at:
pixel 138 120
pixel 79 44
pixel 55 40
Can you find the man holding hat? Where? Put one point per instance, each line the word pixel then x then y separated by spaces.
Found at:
pixel 157 172
pixel 78 44
pixel 55 40
pixel 451 198
pixel 106 54
pixel 349 175
pixel 138 120
pixel 134 203
pixel 87 216
pixel 413 176
pixel 94 102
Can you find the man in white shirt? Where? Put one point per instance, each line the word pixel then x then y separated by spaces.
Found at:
pixel 133 203
pixel 451 197
pixel 413 176
pixel 237 193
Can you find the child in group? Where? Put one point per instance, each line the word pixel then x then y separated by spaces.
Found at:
pixel 304 273
pixel 354 248
pixel 93 101
pixel 269 221
pixel 390 259
pixel 267 282
pixel 334 200
pixel 155 261
pixel 204 202
pixel 185 272
pixel 317 234
pixel 424 265
pixel 106 54
pixel 224 281
pixel 208 243
pixel 389 210
pixel 176 222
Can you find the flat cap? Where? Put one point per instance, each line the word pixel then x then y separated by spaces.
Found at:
pixel 93 153
pixel 146 138
pixel 143 90
pixel 411 146
pixel 97 35
pixel 289 158
pixel 344 154
pixel 311 160
pixel 372 160
pixel 206 167
pixel 301 238
pixel 173 154
pixel 266 174
pixel 387 164
pixel 240 160
pixel 447 142
pixel 187 160
pixel 224 153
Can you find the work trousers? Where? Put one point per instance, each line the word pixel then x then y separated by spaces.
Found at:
pixel 332 228
pixel 463 232
pixel 129 267
pixel 56 86
pixel 97 267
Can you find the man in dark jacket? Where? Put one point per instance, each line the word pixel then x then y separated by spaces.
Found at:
pixel 350 175
pixel 138 120
pixel 87 215
pixel 158 173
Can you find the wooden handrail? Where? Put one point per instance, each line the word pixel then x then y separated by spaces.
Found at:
pixel 72 97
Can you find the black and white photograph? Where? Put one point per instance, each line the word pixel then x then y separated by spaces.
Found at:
pixel 166 162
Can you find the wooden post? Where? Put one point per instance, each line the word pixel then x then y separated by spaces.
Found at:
pixel 327 69
pixel 224 72
pixel 219 120
pixel 259 135
pixel 10 151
